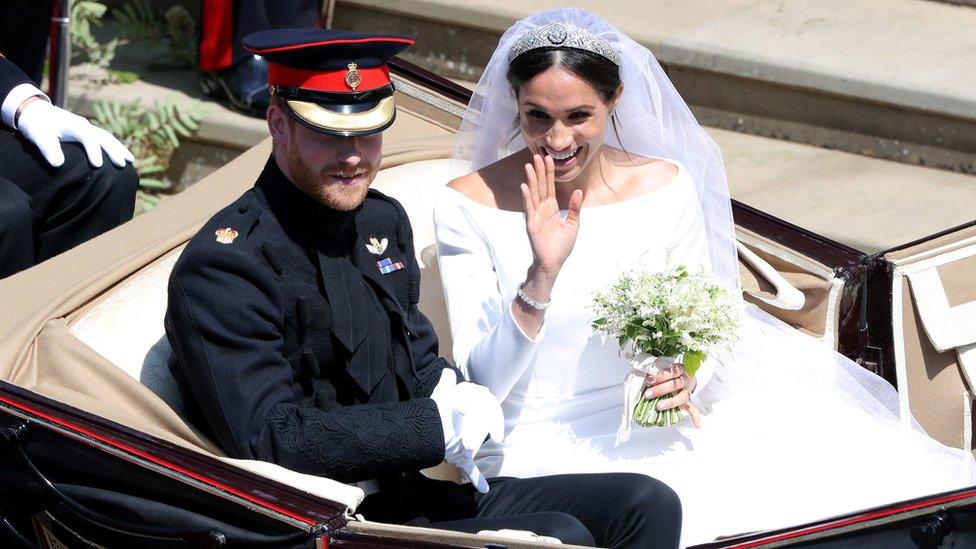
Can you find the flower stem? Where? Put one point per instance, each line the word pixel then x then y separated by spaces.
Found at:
pixel 646 413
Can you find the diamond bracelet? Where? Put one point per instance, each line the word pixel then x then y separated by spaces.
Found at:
pixel 520 294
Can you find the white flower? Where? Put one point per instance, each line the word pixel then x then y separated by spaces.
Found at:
pixel 671 312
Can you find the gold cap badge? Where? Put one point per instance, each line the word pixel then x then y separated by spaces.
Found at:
pixel 226 235
pixel 353 80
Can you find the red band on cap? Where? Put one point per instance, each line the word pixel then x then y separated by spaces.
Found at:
pixel 328 81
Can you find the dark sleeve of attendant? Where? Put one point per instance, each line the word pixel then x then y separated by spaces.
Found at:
pixel 224 321
pixel 10 77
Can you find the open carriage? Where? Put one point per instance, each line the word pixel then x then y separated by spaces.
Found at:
pixel 95 452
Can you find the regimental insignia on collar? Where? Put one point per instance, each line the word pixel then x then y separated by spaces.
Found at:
pixel 226 235
pixel 353 80
pixel 388 266
pixel 376 246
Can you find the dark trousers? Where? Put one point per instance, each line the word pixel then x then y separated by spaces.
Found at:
pixel 45 211
pixel 607 509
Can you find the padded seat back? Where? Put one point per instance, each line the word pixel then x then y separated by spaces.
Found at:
pixel 126 327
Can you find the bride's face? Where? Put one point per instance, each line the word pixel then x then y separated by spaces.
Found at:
pixel 562 116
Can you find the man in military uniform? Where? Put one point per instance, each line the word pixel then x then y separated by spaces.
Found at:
pixel 293 317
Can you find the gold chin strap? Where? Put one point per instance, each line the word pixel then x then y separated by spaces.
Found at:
pixel 372 119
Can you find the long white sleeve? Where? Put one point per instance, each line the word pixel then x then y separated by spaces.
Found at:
pixel 489 346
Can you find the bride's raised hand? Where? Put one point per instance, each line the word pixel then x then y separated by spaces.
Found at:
pixel 551 235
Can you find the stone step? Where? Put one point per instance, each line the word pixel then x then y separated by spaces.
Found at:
pixel 892 80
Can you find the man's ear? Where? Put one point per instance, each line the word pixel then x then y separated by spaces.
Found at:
pixel 278 122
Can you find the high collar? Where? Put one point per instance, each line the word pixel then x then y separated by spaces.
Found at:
pixel 295 209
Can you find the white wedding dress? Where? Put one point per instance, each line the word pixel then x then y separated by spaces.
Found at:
pixel 774 450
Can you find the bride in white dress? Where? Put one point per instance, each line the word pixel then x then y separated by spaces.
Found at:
pixel 618 175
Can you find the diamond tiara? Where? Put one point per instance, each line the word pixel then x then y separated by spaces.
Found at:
pixel 563 35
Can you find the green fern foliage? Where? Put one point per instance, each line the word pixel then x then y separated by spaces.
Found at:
pixel 152 134
pixel 181 30
pixel 172 31
pixel 137 20
pixel 86 14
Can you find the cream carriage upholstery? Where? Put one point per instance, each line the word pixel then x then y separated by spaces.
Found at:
pixel 933 302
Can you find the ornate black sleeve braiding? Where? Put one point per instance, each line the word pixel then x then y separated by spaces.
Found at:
pixel 431 374
pixel 356 443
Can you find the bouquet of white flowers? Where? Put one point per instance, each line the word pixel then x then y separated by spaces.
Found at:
pixel 658 319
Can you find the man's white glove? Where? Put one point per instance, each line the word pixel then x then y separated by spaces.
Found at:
pixel 469 414
pixel 46 126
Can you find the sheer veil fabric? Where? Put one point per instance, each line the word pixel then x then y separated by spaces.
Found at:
pixel 784 413
pixel 653 121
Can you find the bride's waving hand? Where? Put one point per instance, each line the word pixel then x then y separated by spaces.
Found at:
pixel 551 235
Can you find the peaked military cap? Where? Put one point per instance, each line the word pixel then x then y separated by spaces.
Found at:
pixel 331 81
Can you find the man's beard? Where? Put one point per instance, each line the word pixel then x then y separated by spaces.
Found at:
pixel 336 196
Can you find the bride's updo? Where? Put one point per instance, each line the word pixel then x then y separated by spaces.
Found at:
pixel 596 70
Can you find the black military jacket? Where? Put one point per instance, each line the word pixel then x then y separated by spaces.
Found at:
pixel 292 346
pixel 10 77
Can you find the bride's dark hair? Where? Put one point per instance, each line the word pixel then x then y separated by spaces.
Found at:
pixel 596 70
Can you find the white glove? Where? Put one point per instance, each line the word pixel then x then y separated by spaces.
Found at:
pixel 469 414
pixel 46 126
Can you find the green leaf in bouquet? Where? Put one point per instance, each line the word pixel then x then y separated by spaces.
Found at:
pixel 692 361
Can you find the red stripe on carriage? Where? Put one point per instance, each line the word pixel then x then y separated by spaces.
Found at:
pixel 159 461
pixel 857 519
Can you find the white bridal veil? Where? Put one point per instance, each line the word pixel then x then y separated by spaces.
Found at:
pixel 770 358
pixel 652 121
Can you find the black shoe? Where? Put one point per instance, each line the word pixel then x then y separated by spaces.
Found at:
pixel 244 84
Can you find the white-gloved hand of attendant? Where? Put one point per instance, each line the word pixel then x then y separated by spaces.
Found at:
pixel 469 414
pixel 46 126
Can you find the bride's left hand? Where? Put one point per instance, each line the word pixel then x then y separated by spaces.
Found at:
pixel 674 380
